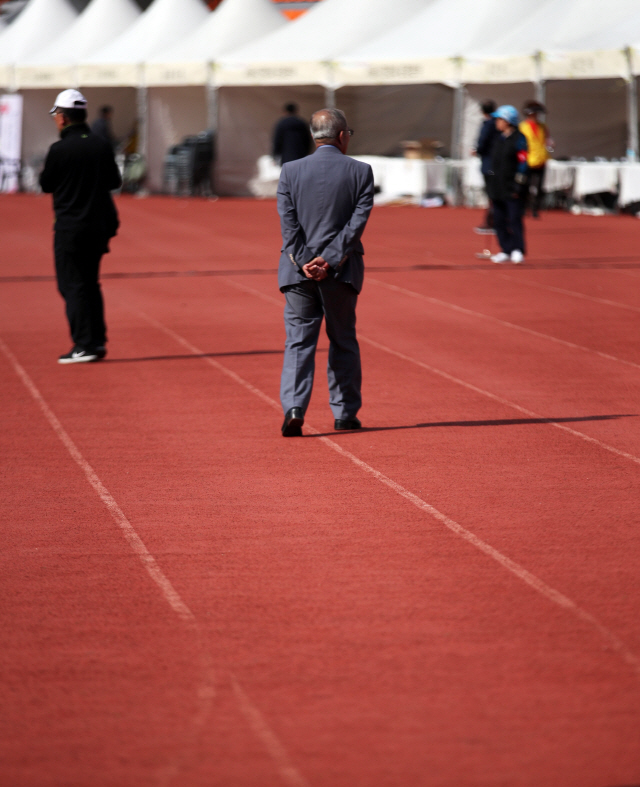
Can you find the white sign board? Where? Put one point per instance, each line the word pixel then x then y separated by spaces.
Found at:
pixel 10 141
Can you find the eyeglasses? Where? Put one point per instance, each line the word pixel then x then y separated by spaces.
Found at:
pixel 351 132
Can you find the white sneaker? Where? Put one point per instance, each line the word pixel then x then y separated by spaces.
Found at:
pixel 500 257
pixel 517 257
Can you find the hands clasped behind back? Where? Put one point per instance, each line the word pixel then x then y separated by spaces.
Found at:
pixel 316 269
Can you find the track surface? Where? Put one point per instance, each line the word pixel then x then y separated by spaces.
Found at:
pixel 449 598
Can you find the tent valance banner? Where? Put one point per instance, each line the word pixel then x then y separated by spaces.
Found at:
pixel 10 142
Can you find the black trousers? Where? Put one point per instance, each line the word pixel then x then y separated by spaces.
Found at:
pixel 507 217
pixel 535 194
pixel 488 187
pixel 77 257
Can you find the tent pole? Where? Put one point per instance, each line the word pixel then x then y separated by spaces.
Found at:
pixel 459 93
pixel 212 99
pixel 632 110
pixel 212 107
pixel 330 97
pixel 540 85
pixel 456 125
pixel 143 120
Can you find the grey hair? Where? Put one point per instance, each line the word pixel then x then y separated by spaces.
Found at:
pixel 328 123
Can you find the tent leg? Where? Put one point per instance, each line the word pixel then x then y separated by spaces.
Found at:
pixel 456 139
pixel 212 107
pixel 632 108
pixel 212 125
pixel 539 85
pixel 632 111
pixel 329 98
pixel 143 121
pixel 456 125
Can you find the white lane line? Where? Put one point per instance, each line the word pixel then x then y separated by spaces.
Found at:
pixel 462 310
pixel 243 288
pixel 463 383
pixel 562 291
pixel 499 399
pixel 510 565
pixel 170 594
pixel 264 733
pixel 206 690
pixel 269 739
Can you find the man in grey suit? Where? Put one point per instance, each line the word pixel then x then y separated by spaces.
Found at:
pixel 324 202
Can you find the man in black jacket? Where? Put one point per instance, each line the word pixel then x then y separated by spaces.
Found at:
pixel 80 171
pixel 291 136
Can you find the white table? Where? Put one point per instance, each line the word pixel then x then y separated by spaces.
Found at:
pixel 629 184
pixel 413 178
pixel 559 176
pixel 594 178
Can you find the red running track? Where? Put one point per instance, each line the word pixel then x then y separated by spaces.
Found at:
pixel 448 598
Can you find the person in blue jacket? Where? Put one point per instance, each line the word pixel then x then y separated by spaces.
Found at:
pixel 508 184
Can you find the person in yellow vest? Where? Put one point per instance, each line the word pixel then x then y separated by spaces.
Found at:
pixel 537 136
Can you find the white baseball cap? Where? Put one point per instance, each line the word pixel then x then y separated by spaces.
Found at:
pixel 69 99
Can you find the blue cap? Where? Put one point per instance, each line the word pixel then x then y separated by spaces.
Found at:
pixel 508 113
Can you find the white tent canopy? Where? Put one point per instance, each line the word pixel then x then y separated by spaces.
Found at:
pixel 120 62
pixel 100 23
pixel 178 103
pixel 298 54
pixel 39 24
pixel 428 47
pixel 562 46
pixel 572 39
pixel 616 36
pixel 232 25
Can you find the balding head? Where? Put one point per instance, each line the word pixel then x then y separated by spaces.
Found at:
pixel 326 124
pixel 329 127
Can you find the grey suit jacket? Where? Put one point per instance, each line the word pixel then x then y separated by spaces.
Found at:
pixel 324 202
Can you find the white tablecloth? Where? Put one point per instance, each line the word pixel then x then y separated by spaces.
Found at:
pixel 437 173
pixel 594 178
pixel 559 176
pixel 379 166
pixel 629 184
pixel 405 177
pixel 472 173
pixel 402 177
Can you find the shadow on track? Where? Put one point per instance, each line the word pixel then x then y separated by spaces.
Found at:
pixel 191 356
pixel 595 263
pixel 492 422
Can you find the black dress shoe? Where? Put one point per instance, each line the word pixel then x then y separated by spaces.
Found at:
pixel 293 420
pixel 345 424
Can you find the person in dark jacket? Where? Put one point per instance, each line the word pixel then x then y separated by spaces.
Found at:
pixel 508 184
pixel 291 136
pixel 102 126
pixel 80 171
pixel 484 148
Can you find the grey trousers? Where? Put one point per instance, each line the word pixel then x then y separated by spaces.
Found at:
pixel 307 303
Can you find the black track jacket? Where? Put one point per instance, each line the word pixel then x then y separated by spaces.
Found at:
pixel 80 171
